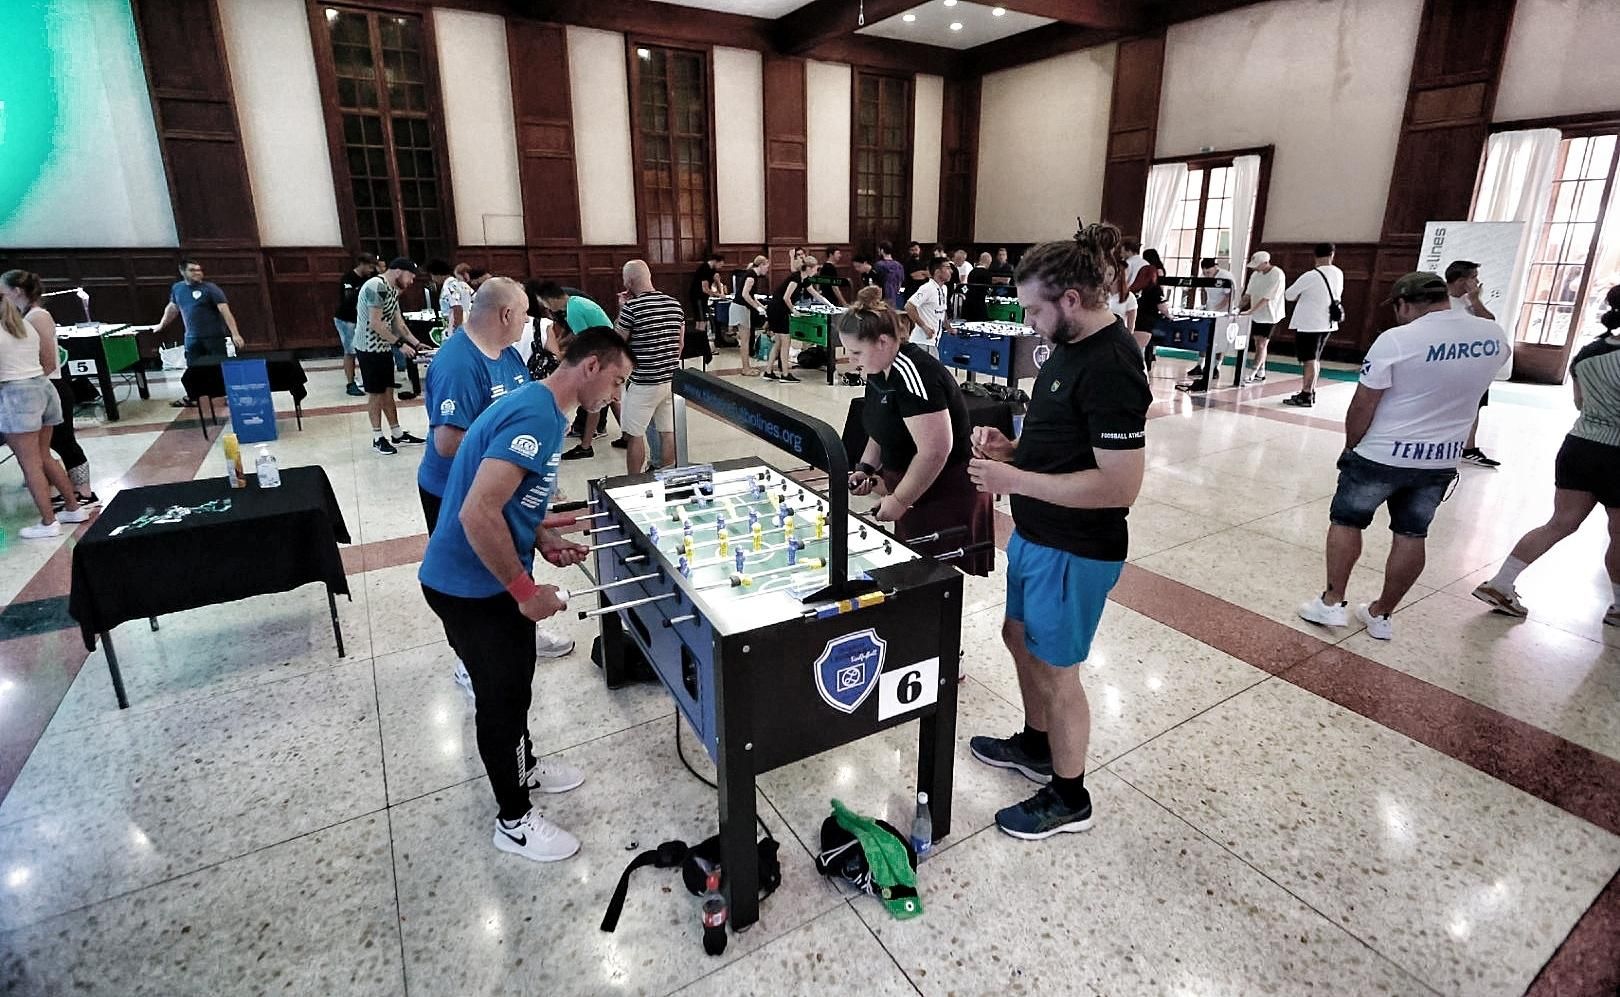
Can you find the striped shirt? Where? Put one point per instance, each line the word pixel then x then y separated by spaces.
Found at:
pixel 652 324
pixel 1597 371
pixel 378 297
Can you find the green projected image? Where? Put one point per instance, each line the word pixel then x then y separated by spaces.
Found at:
pixel 30 103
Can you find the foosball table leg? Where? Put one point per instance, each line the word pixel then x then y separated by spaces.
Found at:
pixel 738 851
pixel 613 666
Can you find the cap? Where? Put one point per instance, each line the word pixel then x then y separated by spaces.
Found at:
pixel 1416 282
pixel 1260 256
pixel 402 263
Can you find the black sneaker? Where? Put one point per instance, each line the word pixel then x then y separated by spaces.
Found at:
pixel 790 377
pixel 1476 457
pixel 1044 815
pixel 85 501
pixel 1304 399
pixel 382 446
pixel 354 389
pixel 1009 753
pixel 771 375
pixel 406 396
pixel 623 442
pixel 407 440
pixel 579 452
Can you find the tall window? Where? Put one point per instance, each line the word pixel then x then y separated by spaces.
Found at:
pixel 882 161
pixel 381 92
pixel 672 116
pixel 1203 220
pixel 1569 239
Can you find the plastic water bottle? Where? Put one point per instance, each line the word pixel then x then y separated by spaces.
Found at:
pixel 922 829
pixel 265 464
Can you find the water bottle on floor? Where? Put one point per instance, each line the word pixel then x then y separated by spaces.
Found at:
pixel 922 828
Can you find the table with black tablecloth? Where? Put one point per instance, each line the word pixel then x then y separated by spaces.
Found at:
pixel 204 380
pixel 981 412
pixel 188 554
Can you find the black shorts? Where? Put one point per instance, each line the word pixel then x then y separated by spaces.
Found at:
pixel 1589 466
pixel 1308 346
pixel 430 501
pixel 1261 330
pixel 376 371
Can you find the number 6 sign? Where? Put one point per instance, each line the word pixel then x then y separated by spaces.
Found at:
pixel 901 690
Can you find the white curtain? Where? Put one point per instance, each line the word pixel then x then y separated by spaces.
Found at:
pixel 1245 192
pixel 1165 181
pixel 1514 186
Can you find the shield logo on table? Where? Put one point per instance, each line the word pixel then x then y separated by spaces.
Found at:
pixel 848 668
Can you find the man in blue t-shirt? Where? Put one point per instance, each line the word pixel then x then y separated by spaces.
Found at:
pixel 201 307
pixel 476 574
pixel 467 375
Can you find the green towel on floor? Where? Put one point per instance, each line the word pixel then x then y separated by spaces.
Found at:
pixel 894 880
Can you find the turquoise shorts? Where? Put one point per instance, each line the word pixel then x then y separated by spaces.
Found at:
pixel 1058 597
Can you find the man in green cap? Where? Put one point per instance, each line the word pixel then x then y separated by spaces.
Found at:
pixel 1404 436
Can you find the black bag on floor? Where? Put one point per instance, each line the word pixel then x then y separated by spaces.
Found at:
pixel 636 663
pixel 811 357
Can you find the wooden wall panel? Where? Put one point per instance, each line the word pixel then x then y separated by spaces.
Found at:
pixel 1455 72
pixel 542 109
pixel 787 207
pixel 194 110
pixel 1133 125
pixel 958 161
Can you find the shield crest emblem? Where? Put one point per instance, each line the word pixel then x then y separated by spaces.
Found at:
pixel 195 295
pixel 847 669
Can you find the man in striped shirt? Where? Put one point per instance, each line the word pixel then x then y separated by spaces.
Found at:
pixel 654 325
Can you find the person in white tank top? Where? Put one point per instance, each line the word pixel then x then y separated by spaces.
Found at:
pixel 28 409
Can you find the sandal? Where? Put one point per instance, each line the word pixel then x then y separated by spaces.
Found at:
pixel 749 372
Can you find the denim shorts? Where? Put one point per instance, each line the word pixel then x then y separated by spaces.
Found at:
pixel 1413 494
pixel 29 405
pixel 345 335
pixel 1058 597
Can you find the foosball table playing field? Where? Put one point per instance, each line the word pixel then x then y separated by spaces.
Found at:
pixel 783 625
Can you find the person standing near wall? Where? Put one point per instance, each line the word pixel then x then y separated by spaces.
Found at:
pixel 1264 305
pixel 201 307
pixel 1317 296
pixel 892 274
pixel 928 304
pixel 380 330
pixel 365 268
pixel 29 408
pixel 1467 295
pixel 747 311
pixel 653 326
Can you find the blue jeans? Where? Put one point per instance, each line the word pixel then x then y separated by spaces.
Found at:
pixel 1412 493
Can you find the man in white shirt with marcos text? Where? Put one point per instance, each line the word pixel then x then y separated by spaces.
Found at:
pixel 1404 436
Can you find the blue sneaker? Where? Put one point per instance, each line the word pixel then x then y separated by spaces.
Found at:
pixel 1044 815
pixel 1009 753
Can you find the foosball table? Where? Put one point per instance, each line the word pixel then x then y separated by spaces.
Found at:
pixel 815 323
pixel 1009 350
pixel 782 625
pixel 1201 330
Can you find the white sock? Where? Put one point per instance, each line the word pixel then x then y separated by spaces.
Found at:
pixel 1508 574
pixel 393 430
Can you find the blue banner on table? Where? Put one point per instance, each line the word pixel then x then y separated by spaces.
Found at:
pixel 247 391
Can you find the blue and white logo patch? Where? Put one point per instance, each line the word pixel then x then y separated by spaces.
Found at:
pixel 447 407
pixel 848 668
pixel 525 445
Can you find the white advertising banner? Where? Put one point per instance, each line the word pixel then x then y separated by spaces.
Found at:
pixel 1495 246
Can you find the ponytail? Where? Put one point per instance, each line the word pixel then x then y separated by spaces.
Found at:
pixel 1611 318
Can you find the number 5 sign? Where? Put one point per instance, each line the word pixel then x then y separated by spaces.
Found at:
pixel 901 690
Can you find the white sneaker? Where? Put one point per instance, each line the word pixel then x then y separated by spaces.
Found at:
pixel 40 531
pixel 1378 627
pixel 553 776
pixel 534 837
pixel 463 679
pixel 1318 612
pixel 79 515
pixel 552 645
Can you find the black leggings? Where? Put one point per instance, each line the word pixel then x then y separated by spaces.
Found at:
pixel 63 439
pixel 496 643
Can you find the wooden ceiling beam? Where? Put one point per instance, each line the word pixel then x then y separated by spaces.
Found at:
pixel 822 21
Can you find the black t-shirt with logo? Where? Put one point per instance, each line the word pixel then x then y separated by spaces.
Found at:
pixel 915 384
pixel 348 295
pixel 1090 395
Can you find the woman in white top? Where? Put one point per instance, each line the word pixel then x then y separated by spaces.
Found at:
pixel 29 408
pixel 23 289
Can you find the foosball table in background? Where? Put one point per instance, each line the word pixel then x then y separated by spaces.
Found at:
pixel 1008 350
pixel 815 324
pixel 782 625
pixel 1200 330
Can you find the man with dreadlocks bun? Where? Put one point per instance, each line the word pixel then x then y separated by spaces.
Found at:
pixel 1072 475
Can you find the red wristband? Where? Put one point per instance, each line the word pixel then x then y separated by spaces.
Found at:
pixel 522 588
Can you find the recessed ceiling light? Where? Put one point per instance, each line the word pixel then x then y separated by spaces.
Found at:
pixel 950 3
pixel 956 25
pixel 908 18
pixel 997 11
